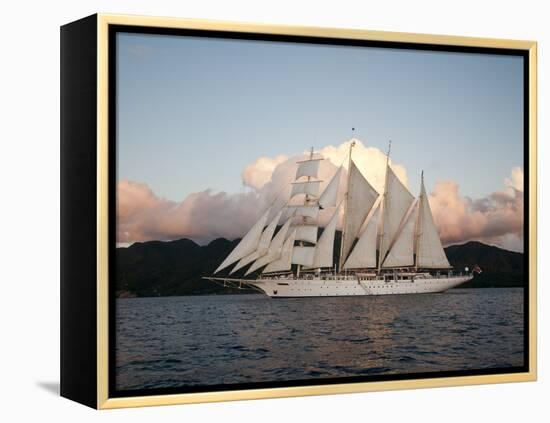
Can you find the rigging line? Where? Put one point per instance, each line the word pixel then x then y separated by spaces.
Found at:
pixel 401 227
pixel 278 194
pixel 383 211
pixel 370 215
pixel 283 186
pixel 417 228
pixel 306 202
pixel 341 259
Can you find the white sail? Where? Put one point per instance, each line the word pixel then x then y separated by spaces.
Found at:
pixel 306 233
pixel 430 253
pixel 324 250
pixel 360 199
pixel 330 194
pixel 363 254
pixel 397 202
pixel 248 244
pixel 303 255
pixel 305 211
pixel 401 253
pixel 309 188
pixel 274 250
pixel 263 245
pixel 284 262
pixel 308 168
pixel 389 241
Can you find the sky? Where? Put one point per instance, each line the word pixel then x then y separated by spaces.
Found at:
pixel 194 114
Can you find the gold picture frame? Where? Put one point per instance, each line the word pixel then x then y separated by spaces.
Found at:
pixel 101 24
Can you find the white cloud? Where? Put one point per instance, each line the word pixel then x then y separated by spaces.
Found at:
pixel 495 219
pixel 370 161
pixel 203 216
pixel 259 173
pixel 515 181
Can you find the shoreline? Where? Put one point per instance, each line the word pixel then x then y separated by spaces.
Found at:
pixel 223 294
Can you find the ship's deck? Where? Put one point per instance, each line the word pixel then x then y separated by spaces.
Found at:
pixel 394 276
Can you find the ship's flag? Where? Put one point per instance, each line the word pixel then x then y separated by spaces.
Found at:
pixel 477 269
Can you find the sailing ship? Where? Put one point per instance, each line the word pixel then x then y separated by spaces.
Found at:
pixel 389 242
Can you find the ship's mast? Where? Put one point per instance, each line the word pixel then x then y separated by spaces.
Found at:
pixel 341 260
pixel 384 205
pixel 306 202
pixel 418 221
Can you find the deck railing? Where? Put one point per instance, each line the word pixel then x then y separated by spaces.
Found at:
pixel 354 276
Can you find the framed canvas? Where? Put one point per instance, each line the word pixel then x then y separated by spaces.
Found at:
pixel 256 211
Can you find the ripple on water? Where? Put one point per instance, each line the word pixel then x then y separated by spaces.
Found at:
pixel 189 341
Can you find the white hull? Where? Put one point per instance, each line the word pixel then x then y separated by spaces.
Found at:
pixel 332 286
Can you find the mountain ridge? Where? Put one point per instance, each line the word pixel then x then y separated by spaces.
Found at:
pixel 168 268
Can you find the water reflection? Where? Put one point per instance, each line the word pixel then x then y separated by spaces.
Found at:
pixel 170 342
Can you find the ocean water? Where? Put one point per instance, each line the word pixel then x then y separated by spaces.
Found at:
pixel 211 340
